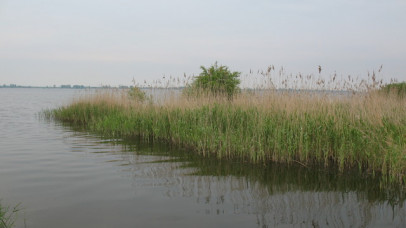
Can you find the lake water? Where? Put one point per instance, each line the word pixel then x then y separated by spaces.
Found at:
pixel 68 178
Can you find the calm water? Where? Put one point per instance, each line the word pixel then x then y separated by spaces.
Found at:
pixel 67 178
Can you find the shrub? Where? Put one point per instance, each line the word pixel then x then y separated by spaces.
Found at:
pixel 136 94
pixel 216 80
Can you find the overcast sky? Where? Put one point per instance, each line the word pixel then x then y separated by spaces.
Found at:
pixel 110 42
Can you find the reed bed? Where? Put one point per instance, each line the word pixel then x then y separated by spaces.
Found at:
pixel 364 131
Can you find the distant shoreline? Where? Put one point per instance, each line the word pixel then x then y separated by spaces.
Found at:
pixel 13 86
pixel 79 87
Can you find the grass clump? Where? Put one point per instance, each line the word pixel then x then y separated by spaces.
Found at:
pixel 8 216
pixel 215 80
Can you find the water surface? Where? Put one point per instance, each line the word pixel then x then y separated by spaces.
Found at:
pixel 68 178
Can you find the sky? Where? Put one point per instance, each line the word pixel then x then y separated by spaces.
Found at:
pixel 112 42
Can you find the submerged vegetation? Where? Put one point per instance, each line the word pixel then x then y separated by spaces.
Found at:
pixel 344 130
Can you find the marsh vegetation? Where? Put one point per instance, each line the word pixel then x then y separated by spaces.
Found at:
pixel 397 89
pixel 312 122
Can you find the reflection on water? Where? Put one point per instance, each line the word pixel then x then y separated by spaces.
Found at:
pixel 66 177
pixel 276 195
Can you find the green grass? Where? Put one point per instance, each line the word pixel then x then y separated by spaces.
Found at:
pixel 362 131
pixel 8 216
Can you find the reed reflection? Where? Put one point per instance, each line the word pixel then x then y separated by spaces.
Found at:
pixel 275 194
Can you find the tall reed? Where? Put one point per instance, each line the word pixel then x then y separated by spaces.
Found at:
pixel 366 131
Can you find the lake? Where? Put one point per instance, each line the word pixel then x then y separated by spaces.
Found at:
pixel 67 177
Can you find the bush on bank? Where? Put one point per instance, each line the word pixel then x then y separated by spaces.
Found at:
pixel 216 81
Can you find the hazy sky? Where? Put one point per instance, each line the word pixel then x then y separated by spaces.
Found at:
pixel 106 42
